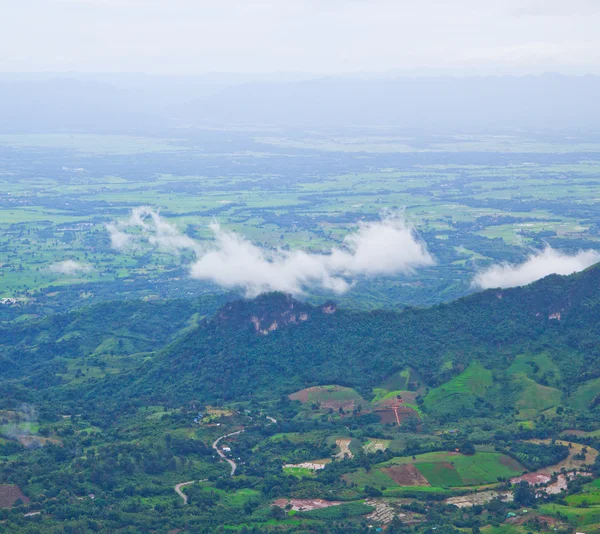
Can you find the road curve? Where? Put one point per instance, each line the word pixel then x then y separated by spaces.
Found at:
pixel 180 493
pixel 222 454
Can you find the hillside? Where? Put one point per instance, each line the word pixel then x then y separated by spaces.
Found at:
pixel 325 417
pixel 233 355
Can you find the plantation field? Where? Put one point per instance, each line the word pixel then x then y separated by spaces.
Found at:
pixel 439 469
pixel 460 391
pixel 534 397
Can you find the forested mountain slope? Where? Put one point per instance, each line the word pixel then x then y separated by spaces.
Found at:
pixel 275 345
pixel 129 400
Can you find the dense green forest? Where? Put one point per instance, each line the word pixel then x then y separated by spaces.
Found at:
pixel 118 417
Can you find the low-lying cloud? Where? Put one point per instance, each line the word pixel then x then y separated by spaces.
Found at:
pixel 70 267
pixel 149 226
pixel 381 248
pixel 538 265
pixel 386 247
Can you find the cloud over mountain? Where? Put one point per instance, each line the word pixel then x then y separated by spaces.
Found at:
pixel 386 247
pixel 538 265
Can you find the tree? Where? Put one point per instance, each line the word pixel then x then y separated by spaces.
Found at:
pixel 524 494
pixel 467 448
pixel 277 513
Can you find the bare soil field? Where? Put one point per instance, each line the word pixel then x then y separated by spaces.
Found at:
pixel 389 416
pixel 480 498
pixel 315 465
pixel 305 505
pixel 344 445
pixel 531 478
pixel 405 475
pixel 10 494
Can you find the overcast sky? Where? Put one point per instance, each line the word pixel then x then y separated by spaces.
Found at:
pixel 317 36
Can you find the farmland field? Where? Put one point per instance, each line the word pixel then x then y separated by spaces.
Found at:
pixel 439 469
pixel 473 200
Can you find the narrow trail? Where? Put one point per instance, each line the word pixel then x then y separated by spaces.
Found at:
pixel 222 454
pixel 272 419
pixel 180 493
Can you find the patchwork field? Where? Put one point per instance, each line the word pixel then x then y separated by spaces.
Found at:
pixel 440 469
pixel 472 206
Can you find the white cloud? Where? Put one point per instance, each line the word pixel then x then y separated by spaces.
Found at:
pixel 70 267
pixel 381 248
pixel 386 247
pixel 151 227
pixel 119 240
pixel 538 265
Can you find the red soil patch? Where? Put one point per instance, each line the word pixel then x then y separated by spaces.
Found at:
pixel 389 416
pixel 302 395
pixel 405 475
pixel 10 494
pixel 386 416
pixel 305 505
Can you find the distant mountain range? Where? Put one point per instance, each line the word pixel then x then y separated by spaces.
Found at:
pixel 148 103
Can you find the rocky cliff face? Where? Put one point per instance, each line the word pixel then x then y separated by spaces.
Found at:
pixel 269 312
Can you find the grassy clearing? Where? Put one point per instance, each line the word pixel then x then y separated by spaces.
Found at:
pixel 299 472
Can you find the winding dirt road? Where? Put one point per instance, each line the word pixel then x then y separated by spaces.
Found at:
pixel 215 446
pixel 180 493
pixel 222 454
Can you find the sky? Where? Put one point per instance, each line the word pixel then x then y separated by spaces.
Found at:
pixel 313 36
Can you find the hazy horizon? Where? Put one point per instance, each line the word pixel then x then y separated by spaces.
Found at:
pixel 304 36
